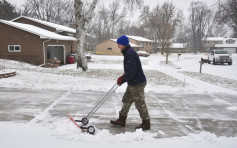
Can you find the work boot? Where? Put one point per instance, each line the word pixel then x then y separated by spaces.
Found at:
pixel 145 125
pixel 121 121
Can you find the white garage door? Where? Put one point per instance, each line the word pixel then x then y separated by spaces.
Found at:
pixel 230 50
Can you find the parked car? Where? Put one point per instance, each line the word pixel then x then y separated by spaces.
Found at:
pixel 143 53
pixel 220 56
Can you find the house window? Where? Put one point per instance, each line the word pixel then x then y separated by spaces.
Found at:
pixel 109 48
pixel 14 48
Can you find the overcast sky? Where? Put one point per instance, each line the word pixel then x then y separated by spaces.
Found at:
pixel 180 4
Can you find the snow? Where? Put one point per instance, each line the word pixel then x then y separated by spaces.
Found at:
pixel 178 45
pixel 39 137
pixel 178 84
pixel 215 38
pixel 226 45
pixel 131 44
pixel 53 25
pixel 44 34
pixel 143 52
pixel 139 38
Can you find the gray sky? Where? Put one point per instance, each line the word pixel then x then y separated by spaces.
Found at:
pixel 180 4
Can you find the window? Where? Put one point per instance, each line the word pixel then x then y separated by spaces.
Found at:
pixel 14 48
pixel 109 48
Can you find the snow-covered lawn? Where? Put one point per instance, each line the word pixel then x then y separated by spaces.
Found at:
pixel 181 76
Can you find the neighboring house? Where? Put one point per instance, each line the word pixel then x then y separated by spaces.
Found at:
pixel 143 44
pixel 137 43
pixel 175 47
pixel 32 44
pixel 229 44
pixel 222 43
pixel 210 42
pixel 179 47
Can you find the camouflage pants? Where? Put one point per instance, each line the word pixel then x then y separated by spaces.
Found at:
pixel 135 93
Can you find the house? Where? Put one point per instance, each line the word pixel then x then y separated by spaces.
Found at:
pixel 210 42
pixel 229 44
pixel 60 29
pixel 174 47
pixel 137 43
pixel 32 44
pixel 179 47
pixel 222 43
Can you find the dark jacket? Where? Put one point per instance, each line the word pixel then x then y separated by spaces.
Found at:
pixel 133 73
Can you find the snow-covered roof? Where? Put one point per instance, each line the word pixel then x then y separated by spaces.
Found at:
pixel 131 44
pixel 215 38
pixel 226 45
pixel 139 38
pixel 53 25
pixel 44 34
pixel 178 45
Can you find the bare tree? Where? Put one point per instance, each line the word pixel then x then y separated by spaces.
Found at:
pixel 202 21
pixel 116 18
pixel 163 20
pixel 58 11
pixel 82 25
pixel 227 13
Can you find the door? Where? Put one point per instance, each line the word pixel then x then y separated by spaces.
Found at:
pixel 57 51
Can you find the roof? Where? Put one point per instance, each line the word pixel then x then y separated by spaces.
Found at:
pixel 44 34
pixel 131 44
pixel 178 45
pixel 215 39
pixel 139 38
pixel 226 45
pixel 53 25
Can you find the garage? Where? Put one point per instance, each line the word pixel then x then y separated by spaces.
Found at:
pixel 231 50
pixel 57 51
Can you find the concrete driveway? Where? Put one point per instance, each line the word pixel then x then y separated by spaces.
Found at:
pixel 173 114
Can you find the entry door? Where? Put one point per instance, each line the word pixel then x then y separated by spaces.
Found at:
pixel 56 51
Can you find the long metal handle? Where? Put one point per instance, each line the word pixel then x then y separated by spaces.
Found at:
pixel 102 100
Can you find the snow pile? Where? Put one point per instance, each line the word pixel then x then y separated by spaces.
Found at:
pixel 65 134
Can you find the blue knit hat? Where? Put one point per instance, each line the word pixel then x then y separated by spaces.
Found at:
pixel 123 40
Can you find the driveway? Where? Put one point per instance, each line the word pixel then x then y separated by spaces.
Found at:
pixel 171 114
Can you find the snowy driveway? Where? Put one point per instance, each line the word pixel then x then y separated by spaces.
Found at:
pixel 171 114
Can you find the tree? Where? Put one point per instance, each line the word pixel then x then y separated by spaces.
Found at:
pixel 202 22
pixel 7 11
pixel 163 20
pixel 82 25
pixel 57 11
pixel 227 13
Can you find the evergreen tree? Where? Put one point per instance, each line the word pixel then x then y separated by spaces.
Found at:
pixel 7 10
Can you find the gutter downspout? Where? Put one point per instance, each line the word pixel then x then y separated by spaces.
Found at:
pixel 44 49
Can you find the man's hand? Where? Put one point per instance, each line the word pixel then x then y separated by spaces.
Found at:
pixel 119 80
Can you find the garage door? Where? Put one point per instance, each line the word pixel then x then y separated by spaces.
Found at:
pixel 56 51
pixel 231 50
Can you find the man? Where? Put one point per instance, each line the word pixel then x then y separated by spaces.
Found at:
pixel 134 76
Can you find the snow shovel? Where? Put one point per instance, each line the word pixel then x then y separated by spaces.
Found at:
pixel 85 120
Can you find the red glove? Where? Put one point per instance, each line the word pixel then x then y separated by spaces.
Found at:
pixel 119 80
